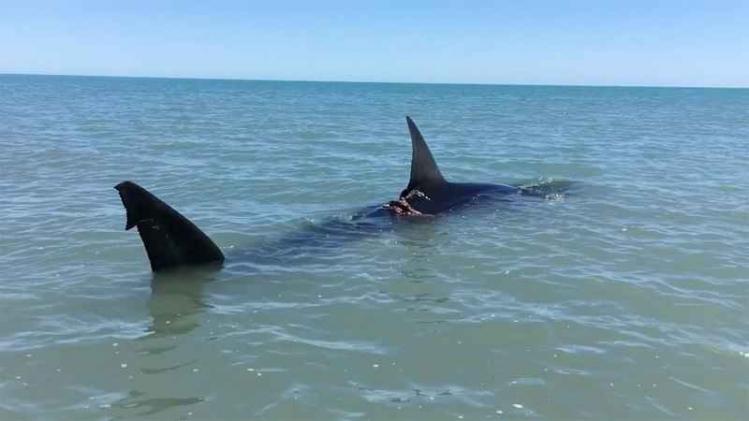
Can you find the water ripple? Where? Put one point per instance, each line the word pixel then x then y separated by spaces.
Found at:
pixel 624 298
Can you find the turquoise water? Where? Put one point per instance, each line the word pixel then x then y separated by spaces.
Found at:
pixel 625 298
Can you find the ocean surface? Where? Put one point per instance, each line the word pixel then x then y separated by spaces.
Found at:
pixel 627 297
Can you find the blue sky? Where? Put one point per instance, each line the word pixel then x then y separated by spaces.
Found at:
pixel 671 43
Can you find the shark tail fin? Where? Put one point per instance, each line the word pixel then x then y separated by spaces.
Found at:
pixel 424 169
pixel 170 239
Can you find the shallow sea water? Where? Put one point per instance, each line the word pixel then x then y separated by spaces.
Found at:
pixel 624 298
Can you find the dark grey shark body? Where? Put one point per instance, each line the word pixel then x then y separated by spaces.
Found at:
pixel 171 240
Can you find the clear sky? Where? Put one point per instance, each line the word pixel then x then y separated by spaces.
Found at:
pixel 635 42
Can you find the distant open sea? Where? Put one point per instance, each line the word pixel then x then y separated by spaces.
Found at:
pixel 626 298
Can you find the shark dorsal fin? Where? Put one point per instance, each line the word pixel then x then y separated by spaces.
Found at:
pixel 424 169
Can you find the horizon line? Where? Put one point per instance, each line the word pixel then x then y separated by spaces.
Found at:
pixel 241 79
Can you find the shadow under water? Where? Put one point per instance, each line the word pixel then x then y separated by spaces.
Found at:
pixel 177 301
